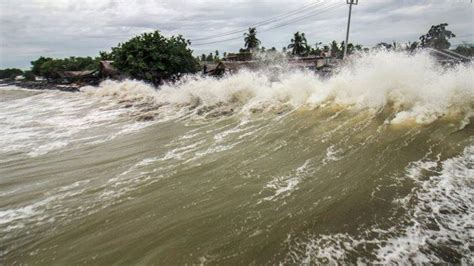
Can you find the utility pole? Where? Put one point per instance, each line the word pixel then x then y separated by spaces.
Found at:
pixel 350 3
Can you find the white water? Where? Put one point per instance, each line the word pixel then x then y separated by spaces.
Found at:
pixel 252 159
pixel 415 85
pixel 443 213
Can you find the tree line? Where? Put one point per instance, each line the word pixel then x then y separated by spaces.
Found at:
pixel 436 37
pixel 153 57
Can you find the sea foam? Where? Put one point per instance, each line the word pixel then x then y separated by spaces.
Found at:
pixel 418 88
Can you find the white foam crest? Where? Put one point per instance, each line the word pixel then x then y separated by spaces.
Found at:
pixel 418 87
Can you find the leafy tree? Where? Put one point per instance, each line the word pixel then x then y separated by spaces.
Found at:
pixel 210 57
pixel 251 41
pixel 36 65
pixel 203 57
pixel 217 55
pixel 412 46
pixel 298 45
pixel 10 73
pixel 29 75
pixel 335 51
pixel 316 50
pixel 350 48
pixel 384 45
pixel 80 63
pixel 51 68
pixel 153 57
pixel 437 37
pixel 466 49
pixel 105 56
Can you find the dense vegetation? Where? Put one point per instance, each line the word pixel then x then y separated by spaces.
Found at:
pixel 10 73
pixel 465 49
pixel 437 37
pixel 50 68
pixel 153 57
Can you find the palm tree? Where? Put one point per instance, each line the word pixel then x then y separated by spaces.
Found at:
pixel 298 44
pixel 412 46
pixel 317 50
pixel 251 41
pixel 335 51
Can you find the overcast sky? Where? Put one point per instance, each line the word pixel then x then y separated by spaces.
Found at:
pixel 59 28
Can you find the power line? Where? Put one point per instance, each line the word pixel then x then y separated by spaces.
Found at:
pixel 271 28
pixel 312 14
pixel 265 22
pixel 296 19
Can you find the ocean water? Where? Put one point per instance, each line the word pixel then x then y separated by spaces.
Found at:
pixel 372 165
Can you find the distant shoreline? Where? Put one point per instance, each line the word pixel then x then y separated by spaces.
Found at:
pixel 41 85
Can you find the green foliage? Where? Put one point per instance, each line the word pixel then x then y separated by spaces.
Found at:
pixel 51 68
pixel 316 50
pixel 384 45
pixel 335 51
pixel 299 44
pixel 350 47
pixel 412 46
pixel 29 75
pixel 466 49
pixel 105 56
pixel 210 57
pixel 152 57
pixel 36 65
pixel 251 41
pixel 10 73
pixel 437 37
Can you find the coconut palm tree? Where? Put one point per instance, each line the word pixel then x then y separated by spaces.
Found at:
pixel 317 49
pixel 412 46
pixel 251 41
pixel 298 44
pixel 335 51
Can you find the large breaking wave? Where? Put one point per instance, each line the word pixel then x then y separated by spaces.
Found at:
pixel 371 165
pixel 417 88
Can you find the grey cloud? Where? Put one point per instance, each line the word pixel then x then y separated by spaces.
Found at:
pixel 32 28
